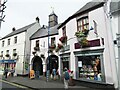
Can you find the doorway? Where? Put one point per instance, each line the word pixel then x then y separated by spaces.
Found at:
pixel 37 65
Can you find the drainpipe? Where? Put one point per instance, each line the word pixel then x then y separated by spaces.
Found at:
pixel 48 61
pixel 118 39
pixel 115 74
pixel 111 46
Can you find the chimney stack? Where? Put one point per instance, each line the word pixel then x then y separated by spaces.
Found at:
pixel 13 29
pixel 37 19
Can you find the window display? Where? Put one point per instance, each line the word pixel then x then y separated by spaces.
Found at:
pixel 90 68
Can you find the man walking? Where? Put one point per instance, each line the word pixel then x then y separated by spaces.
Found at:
pixel 6 72
pixel 66 78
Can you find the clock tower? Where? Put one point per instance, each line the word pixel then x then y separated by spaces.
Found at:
pixel 53 19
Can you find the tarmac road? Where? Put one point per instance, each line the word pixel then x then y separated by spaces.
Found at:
pixel 5 85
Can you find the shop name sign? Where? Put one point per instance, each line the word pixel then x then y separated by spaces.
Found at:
pixel 91 43
pixel 7 61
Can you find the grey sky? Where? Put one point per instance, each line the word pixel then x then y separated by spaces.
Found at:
pixel 23 12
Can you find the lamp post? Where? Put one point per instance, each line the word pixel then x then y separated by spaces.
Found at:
pixel 48 61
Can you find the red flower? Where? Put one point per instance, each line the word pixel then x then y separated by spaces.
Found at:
pixel 63 39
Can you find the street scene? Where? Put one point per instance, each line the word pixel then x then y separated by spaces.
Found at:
pixel 59 45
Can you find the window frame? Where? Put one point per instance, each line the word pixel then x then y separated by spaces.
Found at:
pixel 83 23
pixel 15 39
pixel 37 43
pixel 7 51
pixel 52 41
pixel 9 41
pixel 3 43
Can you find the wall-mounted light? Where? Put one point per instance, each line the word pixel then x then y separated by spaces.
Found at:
pixel 91 28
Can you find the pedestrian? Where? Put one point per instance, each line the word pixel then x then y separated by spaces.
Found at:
pixel 57 74
pixel 5 72
pixel 12 72
pixel 71 82
pixel 66 77
pixel 54 74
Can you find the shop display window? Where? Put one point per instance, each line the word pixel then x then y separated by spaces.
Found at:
pixel 90 67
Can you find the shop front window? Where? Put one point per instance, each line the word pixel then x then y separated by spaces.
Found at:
pixel 65 63
pixel 90 67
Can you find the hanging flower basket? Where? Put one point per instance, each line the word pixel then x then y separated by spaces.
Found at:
pixel 1 55
pixel 50 50
pixel 33 53
pixel 52 46
pixel 85 32
pixel 14 54
pixel 63 39
pixel 7 55
pixel 42 56
pixel 84 42
pixel 36 48
pixel 82 33
pixel 82 37
pixel 59 47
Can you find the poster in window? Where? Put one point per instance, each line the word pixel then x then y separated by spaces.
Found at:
pixel 79 63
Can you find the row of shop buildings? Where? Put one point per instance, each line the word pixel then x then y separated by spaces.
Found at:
pixel 87 43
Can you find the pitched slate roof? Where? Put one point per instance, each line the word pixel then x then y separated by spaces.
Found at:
pixel 43 32
pixel 23 29
pixel 114 6
pixel 86 8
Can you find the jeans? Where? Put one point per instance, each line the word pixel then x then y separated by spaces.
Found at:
pixel 37 74
pixel 66 83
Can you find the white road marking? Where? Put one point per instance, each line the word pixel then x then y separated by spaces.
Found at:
pixel 20 86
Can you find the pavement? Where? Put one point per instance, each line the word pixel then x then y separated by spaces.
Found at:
pixel 38 83
pixel 41 83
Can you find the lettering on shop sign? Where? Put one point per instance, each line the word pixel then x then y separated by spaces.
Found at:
pixel 91 43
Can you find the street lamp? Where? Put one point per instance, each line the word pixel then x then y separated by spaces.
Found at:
pixel 48 61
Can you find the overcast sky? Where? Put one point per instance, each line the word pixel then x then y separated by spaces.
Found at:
pixel 20 13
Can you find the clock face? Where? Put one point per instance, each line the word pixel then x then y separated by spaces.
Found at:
pixel 51 18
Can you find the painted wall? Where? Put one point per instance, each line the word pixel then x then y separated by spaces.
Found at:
pixel 102 31
pixel 71 28
pixel 27 47
pixel 29 33
pixel 19 49
pixel 114 22
pixel 43 42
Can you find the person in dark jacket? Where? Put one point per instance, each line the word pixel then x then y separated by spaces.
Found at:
pixel 12 72
pixel 6 72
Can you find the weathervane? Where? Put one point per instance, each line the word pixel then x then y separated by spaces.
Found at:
pixel 52 8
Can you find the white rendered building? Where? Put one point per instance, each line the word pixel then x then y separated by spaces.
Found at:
pixel 43 46
pixel 91 47
pixel 15 48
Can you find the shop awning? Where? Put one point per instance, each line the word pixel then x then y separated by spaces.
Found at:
pixel 8 61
